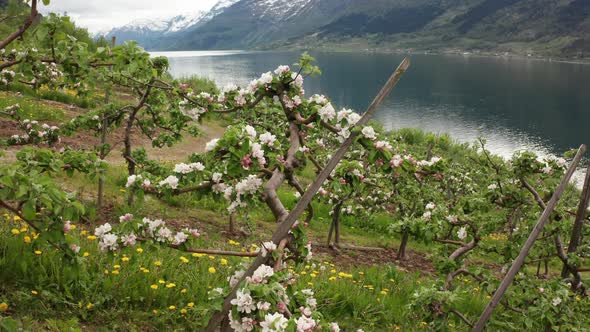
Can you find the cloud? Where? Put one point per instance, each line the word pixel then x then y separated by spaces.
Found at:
pixel 106 14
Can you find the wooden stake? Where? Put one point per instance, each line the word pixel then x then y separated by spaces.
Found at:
pixel 579 222
pixel 103 142
pixel 519 261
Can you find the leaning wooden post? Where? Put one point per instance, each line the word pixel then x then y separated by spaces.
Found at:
pixel 103 141
pixel 519 261
pixel 286 224
pixel 579 222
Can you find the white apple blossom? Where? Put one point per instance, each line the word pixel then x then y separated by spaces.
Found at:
pixel 179 238
pixel 261 274
pixel 267 139
pixel 211 145
pixel 132 179
pixel 126 217
pixel 383 145
pixel 108 242
pixel 274 323
pixel 171 181
pixel 250 131
pixel 244 302
pixel 129 240
pixel 266 78
pixel 327 113
pixel 216 177
pixel 282 70
pixel 263 306
pixel 462 233
pixel 305 324
pixel 103 230
pixel 318 99
pixel 369 133
pixel 164 234
pixel 267 247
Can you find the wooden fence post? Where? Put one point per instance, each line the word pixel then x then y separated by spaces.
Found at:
pixel 103 141
pixel 519 261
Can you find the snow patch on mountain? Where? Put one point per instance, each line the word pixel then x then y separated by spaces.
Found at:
pixel 280 10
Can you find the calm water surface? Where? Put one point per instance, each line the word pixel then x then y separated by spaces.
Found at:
pixel 513 103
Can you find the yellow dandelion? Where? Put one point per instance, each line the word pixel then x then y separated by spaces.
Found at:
pixel 223 261
pixel 212 270
pixel 89 306
pixel 155 311
pixel 84 232
pixel 125 259
pixel 183 311
pixel 106 271
pixel 16 218
pixel 184 259
pixel 3 307
pixel 154 286
pixel 172 307
pixel 332 278
pixel 197 255
pixel 183 291
pixel 34 292
pixel 115 272
pixel 38 252
pixel 139 250
pixel 27 239
pixel 383 292
pixel 15 231
pixel 158 263
pixel 211 257
pixel 310 283
pixel 86 254
pixel 161 281
pixel 117 266
pixel 190 305
pixel 170 285
pixel 91 237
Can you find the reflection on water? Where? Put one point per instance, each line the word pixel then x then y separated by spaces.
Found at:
pixel 513 103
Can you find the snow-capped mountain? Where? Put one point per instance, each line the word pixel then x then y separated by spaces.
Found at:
pixel 388 24
pixel 150 32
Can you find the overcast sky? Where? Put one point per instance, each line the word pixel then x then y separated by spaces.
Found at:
pixel 101 15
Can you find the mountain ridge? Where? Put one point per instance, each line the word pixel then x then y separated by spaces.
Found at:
pixel 546 27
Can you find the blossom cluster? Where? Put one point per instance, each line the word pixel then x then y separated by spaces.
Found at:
pixel 147 229
pixel 254 310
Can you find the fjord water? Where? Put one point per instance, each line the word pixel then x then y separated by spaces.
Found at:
pixel 513 103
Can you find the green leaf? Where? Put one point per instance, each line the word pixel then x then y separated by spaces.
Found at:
pixel 29 211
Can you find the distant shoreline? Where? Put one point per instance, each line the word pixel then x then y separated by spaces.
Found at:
pixel 186 53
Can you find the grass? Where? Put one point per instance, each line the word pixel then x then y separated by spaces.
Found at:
pixel 32 108
pixel 66 96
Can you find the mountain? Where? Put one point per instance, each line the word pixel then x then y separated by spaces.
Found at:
pixel 547 27
pixel 151 33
